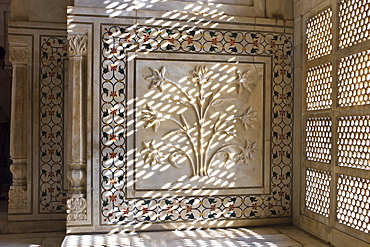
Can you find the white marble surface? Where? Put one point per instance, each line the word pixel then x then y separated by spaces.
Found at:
pixel 262 236
pixel 246 172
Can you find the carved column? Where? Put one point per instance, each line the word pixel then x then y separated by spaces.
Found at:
pixel 76 204
pixel 18 138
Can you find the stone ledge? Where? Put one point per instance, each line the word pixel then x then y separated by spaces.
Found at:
pixel 32 226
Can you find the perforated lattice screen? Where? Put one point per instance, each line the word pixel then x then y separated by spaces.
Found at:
pixel 353 75
pixel 354 142
pixel 337 116
pixel 318 139
pixel 354 22
pixel 318 191
pixel 319 35
pixel 319 87
pixel 353 202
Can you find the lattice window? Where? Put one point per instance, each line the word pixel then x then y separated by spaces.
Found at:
pixel 319 87
pixel 354 142
pixel 354 77
pixel 318 191
pixel 319 35
pixel 353 199
pixel 354 22
pixel 318 139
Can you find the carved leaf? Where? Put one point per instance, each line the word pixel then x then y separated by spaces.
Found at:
pixel 218 102
pixel 227 157
pixel 217 124
pixel 173 132
pixel 182 101
pixel 172 158
pixel 183 121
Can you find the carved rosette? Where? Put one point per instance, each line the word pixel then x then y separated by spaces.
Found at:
pixel 77 45
pixel 76 209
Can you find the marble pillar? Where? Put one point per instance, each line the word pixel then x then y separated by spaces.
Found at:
pixel 18 141
pixel 76 204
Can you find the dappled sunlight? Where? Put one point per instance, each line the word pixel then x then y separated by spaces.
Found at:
pixel 182 106
pixel 187 236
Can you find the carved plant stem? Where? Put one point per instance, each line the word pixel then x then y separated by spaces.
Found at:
pixel 211 100
pixel 201 171
pixel 188 97
pixel 193 166
pixel 207 148
pixel 200 103
pixel 180 88
pixel 188 156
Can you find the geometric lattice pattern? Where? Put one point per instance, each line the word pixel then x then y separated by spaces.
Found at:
pixel 53 52
pixel 319 35
pixel 354 21
pixel 353 201
pixel 116 208
pixel 318 139
pixel 318 191
pixel 354 84
pixel 319 88
pixel 353 142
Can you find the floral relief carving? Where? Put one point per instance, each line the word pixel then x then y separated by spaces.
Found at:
pixel 244 80
pixel 116 205
pixel 17 198
pixel 77 45
pixel 76 209
pixel 248 117
pixel 200 149
pixel 18 55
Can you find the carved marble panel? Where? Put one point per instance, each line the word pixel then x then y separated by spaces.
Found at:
pixel 196 124
pixel 159 163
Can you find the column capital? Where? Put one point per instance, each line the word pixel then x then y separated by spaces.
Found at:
pixel 18 55
pixel 77 44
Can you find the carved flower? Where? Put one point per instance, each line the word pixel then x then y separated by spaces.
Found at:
pixel 157 78
pixel 200 75
pixel 247 153
pixel 152 117
pixel 248 117
pixel 243 80
pixel 152 154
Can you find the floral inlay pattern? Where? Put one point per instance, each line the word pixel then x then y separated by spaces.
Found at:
pixel 117 41
pixel 52 195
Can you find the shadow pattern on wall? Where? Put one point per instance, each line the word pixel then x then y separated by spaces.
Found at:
pixel 116 206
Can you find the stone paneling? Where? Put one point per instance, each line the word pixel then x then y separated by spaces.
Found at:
pixel 118 151
pixel 53 55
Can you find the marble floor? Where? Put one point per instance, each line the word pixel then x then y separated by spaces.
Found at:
pixel 233 237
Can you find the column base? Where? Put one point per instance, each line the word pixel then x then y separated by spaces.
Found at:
pixel 76 208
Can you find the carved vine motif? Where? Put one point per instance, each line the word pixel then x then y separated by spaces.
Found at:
pixel 199 150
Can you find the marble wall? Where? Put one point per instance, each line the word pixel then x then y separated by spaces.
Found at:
pixel 95 149
pixel 153 157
